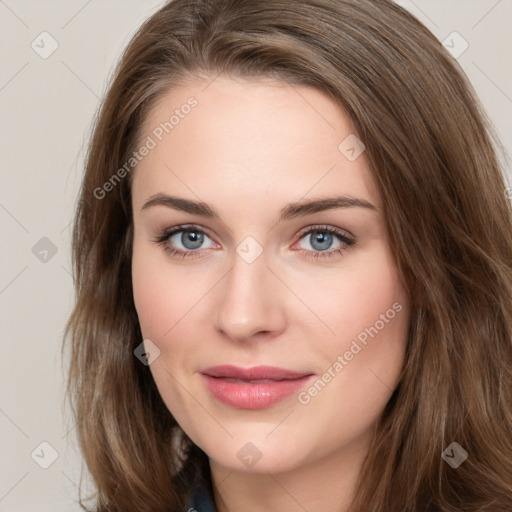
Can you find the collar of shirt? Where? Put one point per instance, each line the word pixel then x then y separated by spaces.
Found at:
pixel 201 500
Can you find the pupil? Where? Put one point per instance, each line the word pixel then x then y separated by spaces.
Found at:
pixel 192 239
pixel 323 240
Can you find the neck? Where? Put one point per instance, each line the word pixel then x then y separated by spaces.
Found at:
pixel 327 483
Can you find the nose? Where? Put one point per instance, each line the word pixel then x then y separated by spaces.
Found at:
pixel 250 304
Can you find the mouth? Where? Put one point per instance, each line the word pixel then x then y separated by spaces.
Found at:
pixel 258 387
pixel 256 373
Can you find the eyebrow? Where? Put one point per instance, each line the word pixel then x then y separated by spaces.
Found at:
pixel 290 211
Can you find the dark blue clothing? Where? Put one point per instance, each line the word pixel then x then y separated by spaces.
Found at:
pixel 201 500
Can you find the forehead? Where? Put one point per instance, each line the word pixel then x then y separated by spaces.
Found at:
pixel 238 136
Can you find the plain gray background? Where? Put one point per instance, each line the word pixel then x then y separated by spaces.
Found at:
pixel 47 105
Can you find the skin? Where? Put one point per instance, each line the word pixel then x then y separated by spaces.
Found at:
pixel 248 149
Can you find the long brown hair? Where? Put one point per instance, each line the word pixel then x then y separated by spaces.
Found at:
pixel 431 152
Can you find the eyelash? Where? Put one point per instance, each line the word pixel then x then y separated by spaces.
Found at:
pixel 164 236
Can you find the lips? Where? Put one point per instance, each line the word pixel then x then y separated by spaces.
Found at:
pixel 253 388
pixel 271 373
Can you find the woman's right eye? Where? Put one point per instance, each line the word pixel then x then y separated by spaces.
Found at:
pixel 183 241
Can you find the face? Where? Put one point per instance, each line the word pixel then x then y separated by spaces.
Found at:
pixel 260 241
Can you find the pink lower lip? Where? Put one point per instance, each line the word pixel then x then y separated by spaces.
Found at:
pixel 246 395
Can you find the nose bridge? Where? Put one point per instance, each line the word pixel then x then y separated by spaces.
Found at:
pixel 249 301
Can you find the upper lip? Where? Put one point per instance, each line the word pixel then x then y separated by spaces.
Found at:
pixel 253 373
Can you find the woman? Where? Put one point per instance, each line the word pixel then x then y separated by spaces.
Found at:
pixel 293 262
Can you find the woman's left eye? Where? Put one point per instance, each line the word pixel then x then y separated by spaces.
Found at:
pixel 321 240
pixel 192 238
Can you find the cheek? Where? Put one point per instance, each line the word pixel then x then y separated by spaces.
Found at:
pixel 362 363
pixel 169 307
pixel 162 297
pixel 367 310
pixel 357 297
pixel 152 299
pixel 161 303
